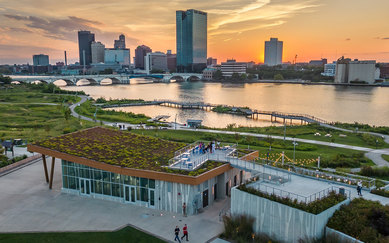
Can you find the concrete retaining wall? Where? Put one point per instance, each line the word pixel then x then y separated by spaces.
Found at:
pixel 279 221
pixel 341 237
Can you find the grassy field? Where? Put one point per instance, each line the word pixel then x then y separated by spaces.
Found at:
pixel 309 131
pixel 23 118
pixel 306 154
pixel 385 157
pixel 127 234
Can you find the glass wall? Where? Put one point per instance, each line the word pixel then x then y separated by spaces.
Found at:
pixel 76 176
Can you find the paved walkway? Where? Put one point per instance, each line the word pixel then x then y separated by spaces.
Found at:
pixel 27 204
pixel 179 127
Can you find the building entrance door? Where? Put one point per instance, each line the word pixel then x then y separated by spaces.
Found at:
pixel 85 186
pixel 151 198
pixel 215 192
pixel 129 194
pixel 205 198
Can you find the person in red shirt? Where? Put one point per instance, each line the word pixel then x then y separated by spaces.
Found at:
pixel 185 231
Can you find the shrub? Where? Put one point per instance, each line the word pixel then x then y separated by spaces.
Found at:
pixel 362 219
pixel 380 192
pixel 314 207
pixel 381 172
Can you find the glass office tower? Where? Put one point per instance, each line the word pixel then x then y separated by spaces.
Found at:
pixel 191 40
pixel 85 39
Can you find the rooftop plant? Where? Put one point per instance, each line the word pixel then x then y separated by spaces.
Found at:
pixel 121 148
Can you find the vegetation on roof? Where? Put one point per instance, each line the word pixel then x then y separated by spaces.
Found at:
pixel 122 148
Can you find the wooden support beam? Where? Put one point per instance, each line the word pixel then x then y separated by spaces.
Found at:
pixel 45 167
pixel 52 172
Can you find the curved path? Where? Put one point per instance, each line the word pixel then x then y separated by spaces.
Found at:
pixel 376 152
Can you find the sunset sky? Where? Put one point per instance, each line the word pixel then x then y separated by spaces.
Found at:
pixel 236 28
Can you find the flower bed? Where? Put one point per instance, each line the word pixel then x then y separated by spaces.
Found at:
pixel 314 207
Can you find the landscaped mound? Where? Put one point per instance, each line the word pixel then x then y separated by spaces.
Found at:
pixel 362 219
pixel 115 147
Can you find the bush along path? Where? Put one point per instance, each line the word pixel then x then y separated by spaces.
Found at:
pixel 379 152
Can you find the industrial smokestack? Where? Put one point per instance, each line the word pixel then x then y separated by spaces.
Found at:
pixel 66 60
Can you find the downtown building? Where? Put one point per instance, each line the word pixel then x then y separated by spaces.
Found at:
pixel 273 52
pixel 140 54
pixel 348 71
pixel 98 50
pixel 40 60
pixel 156 62
pixel 120 166
pixel 232 66
pixel 120 43
pixel 85 39
pixel 191 37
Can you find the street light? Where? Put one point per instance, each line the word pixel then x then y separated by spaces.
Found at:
pixel 376 144
pixel 284 131
pixel 294 149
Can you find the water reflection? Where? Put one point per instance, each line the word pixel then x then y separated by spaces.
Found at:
pixel 332 103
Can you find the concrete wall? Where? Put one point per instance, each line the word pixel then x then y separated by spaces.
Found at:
pixel 279 221
pixel 171 196
pixel 341 237
pixel 364 71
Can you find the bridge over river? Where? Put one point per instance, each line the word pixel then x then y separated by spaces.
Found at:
pixel 106 79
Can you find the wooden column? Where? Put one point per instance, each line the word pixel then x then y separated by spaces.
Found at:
pixel 45 167
pixel 52 172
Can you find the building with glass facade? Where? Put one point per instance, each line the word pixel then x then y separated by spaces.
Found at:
pixel 127 168
pixel 85 39
pixel 191 37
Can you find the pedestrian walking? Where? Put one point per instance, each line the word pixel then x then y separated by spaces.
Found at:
pixel 185 231
pixel 359 188
pixel 184 209
pixel 177 232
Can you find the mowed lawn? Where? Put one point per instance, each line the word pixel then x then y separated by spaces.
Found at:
pixel 127 234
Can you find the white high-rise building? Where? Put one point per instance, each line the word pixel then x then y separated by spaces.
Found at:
pixel 273 52
pixel 97 49
pixel 155 61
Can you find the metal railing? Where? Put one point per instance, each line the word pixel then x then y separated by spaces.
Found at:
pixel 320 175
pixel 301 198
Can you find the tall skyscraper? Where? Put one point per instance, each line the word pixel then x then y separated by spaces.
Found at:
pixel 40 60
pixel 121 43
pixel 191 40
pixel 85 39
pixel 97 52
pixel 140 53
pixel 273 52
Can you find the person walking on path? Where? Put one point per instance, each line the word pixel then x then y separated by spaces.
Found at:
pixel 359 188
pixel 177 232
pixel 185 231
pixel 184 209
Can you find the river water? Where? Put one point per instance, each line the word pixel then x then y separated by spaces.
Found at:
pixel 332 103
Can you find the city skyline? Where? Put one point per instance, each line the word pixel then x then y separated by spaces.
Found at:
pixel 309 28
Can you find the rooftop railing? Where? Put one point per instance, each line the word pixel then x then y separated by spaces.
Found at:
pixel 301 198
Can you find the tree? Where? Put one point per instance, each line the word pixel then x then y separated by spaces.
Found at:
pixel 278 76
pixel 107 71
pixel 218 75
pixel 66 113
pixel 6 80
pixel 235 76
pixel 251 76
pixel 243 76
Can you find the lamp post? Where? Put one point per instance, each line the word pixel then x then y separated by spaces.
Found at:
pixel 284 131
pixel 376 143
pixel 175 122
pixel 294 149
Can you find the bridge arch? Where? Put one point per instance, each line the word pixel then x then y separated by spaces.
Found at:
pixel 62 82
pixel 39 82
pixel 86 81
pixel 193 78
pixel 109 81
pixel 178 78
